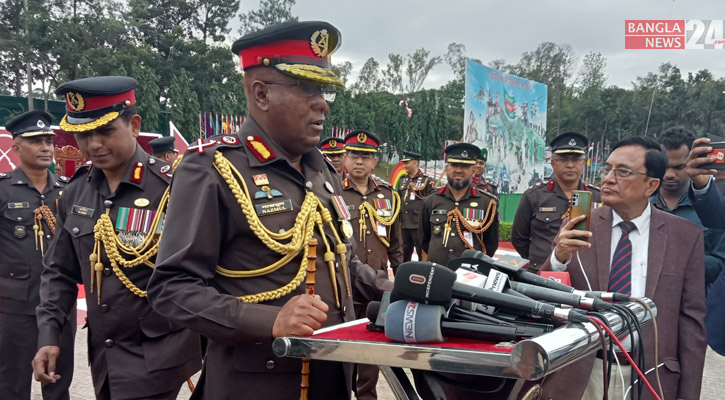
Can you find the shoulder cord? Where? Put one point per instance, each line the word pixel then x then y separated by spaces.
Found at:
pixel 42 213
pixel 105 235
pixel 416 191
pixel 460 220
pixel 367 210
pixel 312 215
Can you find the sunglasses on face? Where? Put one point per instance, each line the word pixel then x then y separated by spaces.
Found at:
pixel 364 156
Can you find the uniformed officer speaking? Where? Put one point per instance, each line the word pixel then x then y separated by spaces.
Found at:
pixel 334 149
pixel 413 187
pixel 28 198
pixel 109 218
pixel 374 208
pixel 544 205
pixel 459 216
pixel 243 212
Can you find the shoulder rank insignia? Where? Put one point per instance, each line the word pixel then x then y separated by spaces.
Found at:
pixel 165 169
pixel 3 175
pixel 63 178
pixel 202 144
pixel 259 148
pixel 230 139
pixel 137 173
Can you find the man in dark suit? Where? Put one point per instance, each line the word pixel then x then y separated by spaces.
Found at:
pixel 651 253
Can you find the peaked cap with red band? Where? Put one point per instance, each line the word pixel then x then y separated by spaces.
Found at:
pixel 91 103
pixel 361 140
pixel 297 49
pixel 332 145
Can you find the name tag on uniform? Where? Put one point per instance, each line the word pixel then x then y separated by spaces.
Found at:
pixel 547 209
pixel 80 210
pixel 274 207
pixel 469 237
pixel 23 204
pixel 439 212
pixel 381 230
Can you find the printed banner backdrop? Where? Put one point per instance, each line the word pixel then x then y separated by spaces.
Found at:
pixel 507 115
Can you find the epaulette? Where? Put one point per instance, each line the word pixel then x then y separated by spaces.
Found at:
pixel 492 183
pixel 259 148
pixel 202 145
pixel 491 195
pixel 61 181
pixel 383 183
pixel 160 168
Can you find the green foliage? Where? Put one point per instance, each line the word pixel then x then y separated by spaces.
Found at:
pixel 184 106
pixel 270 12
pixel 504 231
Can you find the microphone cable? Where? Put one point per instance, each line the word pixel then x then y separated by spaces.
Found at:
pixel 636 344
pixel 634 365
pixel 586 278
pixel 657 350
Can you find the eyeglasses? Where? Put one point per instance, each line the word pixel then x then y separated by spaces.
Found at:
pixel 620 173
pixel 310 89
pixel 574 159
pixel 364 156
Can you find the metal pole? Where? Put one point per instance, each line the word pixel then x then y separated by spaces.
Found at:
pixel 650 110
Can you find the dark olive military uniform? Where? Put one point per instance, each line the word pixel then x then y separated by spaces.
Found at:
pixel 370 249
pixel 134 351
pixel 412 191
pixel 206 228
pixel 20 267
pixel 538 219
pixel 474 206
pixel 487 186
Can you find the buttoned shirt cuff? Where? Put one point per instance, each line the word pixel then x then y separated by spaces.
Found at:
pixel 48 336
pixel 557 265
pixel 700 192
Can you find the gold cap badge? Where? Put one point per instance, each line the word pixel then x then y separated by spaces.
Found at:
pixel 75 100
pixel 319 43
pixel 333 143
pixel 361 137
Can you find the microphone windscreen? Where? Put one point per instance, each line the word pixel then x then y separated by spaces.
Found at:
pixel 411 322
pixel 423 282
pixel 468 253
pixel 372 311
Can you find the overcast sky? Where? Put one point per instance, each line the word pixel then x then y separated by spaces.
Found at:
pixel 505 29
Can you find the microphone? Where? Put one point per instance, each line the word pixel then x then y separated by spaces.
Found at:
pixel 430 283
pixel 412 322
pixel 376 311
pixel 474 277
pixel 513 267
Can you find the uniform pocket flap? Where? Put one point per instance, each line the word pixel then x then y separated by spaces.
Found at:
pixel 154 325
pixel 672 364
pixel 23 216
pixel 79 225
pixel 259 357
pixel 14 271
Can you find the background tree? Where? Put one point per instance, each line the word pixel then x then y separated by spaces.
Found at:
pixel 184 106
pixel 270 12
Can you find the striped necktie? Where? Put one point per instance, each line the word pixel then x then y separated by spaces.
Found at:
pixel 620 276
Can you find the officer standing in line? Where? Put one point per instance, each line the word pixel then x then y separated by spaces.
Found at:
pixel 479 178
pixel 413 187
pixel 459 216
pixel 374 207
pixel 334 149
pixel 163 149
pixel 245 212
pixel 109 220
pixel 544 205
pixel 28 198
